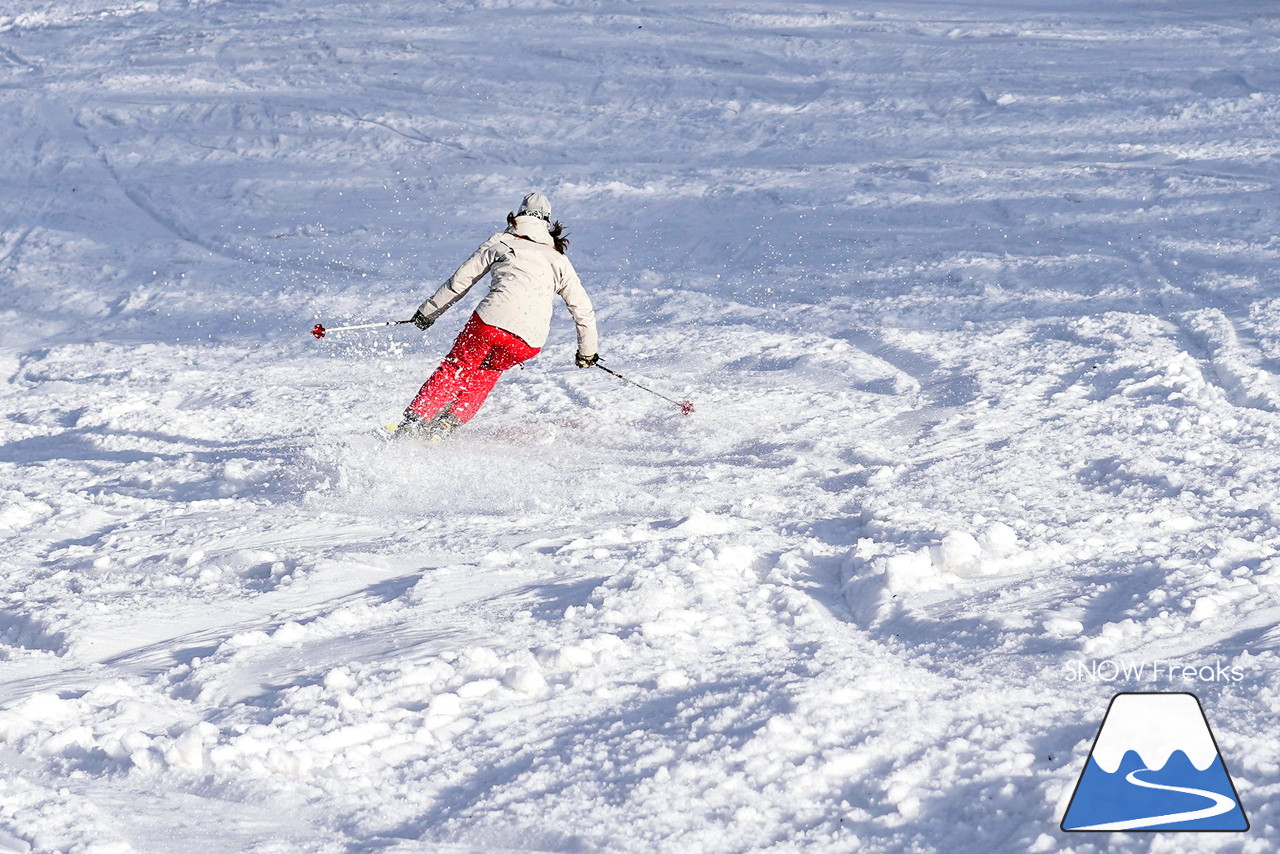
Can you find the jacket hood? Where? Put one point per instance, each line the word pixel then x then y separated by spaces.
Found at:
pixel 533 228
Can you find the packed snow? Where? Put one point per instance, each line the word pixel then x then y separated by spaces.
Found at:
pixel 977 304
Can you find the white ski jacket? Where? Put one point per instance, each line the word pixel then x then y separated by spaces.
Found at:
pixel 527 272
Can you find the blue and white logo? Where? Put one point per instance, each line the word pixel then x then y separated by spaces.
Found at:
pixel 1155 766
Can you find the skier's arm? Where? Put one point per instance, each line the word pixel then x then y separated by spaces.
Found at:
pixel 471 271
pixel 584 316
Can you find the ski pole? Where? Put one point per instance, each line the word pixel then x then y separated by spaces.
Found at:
pixel 319 331
pixel 686 406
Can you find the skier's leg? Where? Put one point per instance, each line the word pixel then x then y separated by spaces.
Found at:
pixel 479 382
pixel 441 390
pixel 507 351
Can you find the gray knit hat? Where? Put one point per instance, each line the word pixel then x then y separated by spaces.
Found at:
pixel 536 204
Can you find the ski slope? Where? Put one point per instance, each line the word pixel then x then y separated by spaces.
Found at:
pixel 978 305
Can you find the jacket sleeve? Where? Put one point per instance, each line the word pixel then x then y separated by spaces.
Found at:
pixel 471 271
pixel 584 316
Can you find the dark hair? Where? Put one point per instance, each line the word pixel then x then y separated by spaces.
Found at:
pixel 556 228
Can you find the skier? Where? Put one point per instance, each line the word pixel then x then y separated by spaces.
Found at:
pixel 528 267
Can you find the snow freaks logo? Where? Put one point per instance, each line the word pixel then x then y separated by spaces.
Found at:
pixel 1155 766
pixel 1109 670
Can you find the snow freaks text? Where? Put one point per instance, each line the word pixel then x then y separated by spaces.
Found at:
pixel 1110 670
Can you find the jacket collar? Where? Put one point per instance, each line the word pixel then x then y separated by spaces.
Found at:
pixel 532 228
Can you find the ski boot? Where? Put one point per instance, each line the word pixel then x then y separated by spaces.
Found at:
pixel 434 431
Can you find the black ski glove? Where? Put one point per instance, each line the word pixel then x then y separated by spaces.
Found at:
pixel 586 361
pixel 421 321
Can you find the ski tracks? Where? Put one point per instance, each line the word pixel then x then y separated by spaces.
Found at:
pixel 1234 362
pixel 1213 332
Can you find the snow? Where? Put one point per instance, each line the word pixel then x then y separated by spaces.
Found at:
pixel 976 303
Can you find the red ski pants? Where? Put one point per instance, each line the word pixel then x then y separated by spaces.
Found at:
pixel 470 371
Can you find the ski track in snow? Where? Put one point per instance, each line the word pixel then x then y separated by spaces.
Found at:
pixel 977 304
